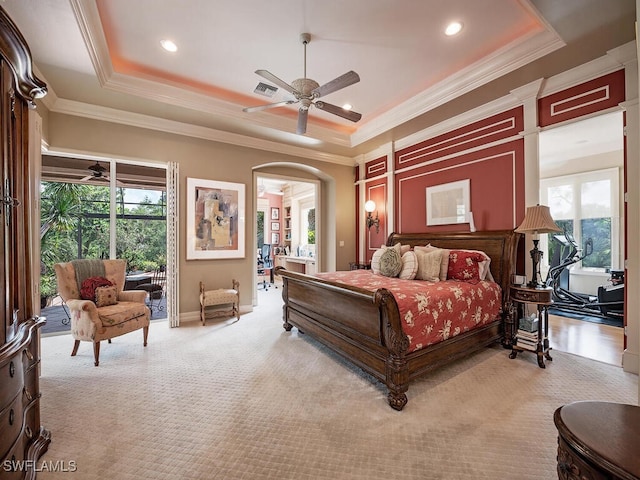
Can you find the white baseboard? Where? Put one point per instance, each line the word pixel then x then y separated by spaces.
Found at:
pixel 630 362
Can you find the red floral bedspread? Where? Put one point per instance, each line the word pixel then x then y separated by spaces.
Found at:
pixel 431 311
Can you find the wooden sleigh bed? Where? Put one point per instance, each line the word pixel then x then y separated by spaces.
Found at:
pixel 365 326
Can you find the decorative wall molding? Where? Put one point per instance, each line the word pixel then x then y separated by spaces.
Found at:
pixel 485 168
pixel 478 134
pixel 376 167
pixel 583 99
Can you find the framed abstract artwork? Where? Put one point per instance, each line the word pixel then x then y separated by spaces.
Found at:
pixel 448 203
pixel 275 226
pixel 215 219
pixel 275 213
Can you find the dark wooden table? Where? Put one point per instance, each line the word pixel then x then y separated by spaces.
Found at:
pixel 598 440
pixel 134 280
pixel 542 298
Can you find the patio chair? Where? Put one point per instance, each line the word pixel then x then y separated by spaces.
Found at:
pixel 155 288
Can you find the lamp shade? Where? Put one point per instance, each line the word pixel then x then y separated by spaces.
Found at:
pixel 538 220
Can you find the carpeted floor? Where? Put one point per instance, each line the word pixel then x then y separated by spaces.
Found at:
pixel 248 400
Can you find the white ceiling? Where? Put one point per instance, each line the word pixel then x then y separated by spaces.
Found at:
pixel 102 59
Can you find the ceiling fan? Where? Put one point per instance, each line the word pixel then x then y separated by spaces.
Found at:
pixel 262 190
pixel 97 173
pixel 306 92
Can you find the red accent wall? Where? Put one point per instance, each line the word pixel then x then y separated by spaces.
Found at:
pixel 275 201
pixel 496 177
pixel 589 97
pixel 376 190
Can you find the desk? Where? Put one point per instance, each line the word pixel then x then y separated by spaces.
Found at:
pixel 297 264
pixel 132 281
pixel 598 440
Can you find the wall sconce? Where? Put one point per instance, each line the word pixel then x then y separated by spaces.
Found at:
pixel 369 207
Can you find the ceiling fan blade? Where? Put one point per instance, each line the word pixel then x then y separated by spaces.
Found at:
pixel 270 105
pixel 303 113
pixel 281 83
pixel 342 81
pixel 108 179
pixel 341 112
pixel 86 178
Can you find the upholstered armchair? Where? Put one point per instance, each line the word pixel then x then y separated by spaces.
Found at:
pixel 112 312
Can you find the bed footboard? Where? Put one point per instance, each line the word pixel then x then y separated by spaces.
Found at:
pixel 362 326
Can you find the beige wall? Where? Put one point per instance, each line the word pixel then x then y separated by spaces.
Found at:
pixel 217 161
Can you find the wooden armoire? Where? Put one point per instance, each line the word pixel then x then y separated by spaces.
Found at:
pixel 22 438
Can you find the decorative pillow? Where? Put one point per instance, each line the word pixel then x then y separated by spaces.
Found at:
pixel 484 265
pixel 390 262
pixel 444 260
pixel 89 285
pixel 429 265
pixel 409 266
pixel 375 259
pixel 106 296
pixel 464 266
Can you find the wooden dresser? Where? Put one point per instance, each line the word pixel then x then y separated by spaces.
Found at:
pixel 22 438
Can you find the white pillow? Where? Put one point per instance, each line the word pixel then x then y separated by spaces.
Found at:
pixel 444 258
pixel 375 261
pixel 409 266
pixel 429 265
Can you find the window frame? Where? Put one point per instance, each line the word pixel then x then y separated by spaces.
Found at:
pixel 576 180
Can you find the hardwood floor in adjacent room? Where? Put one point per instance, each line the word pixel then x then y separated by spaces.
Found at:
pixel 587 339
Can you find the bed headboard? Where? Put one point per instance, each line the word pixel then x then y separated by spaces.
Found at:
pixel 500 245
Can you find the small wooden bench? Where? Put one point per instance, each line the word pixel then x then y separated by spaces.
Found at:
pixel 220 297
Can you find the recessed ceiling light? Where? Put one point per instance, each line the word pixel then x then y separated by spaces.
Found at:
pixel 347 106
pixel 453 28
pixel 169 46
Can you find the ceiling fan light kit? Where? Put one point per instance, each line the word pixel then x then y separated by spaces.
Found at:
pixel 306 92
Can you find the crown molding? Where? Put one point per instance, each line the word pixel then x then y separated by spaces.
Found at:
pixel 106 114
pixel 505 60
pixel 615 59
pixel 88 19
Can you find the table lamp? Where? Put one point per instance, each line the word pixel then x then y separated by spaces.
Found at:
pixel 537 220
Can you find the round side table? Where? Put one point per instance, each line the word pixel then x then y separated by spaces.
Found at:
pixel 598 440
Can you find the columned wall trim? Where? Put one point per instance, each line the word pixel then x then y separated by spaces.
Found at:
pixel 173 244
pixel 528 96
pixel 631 354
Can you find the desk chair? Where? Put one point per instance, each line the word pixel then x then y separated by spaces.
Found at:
pixel 265 262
